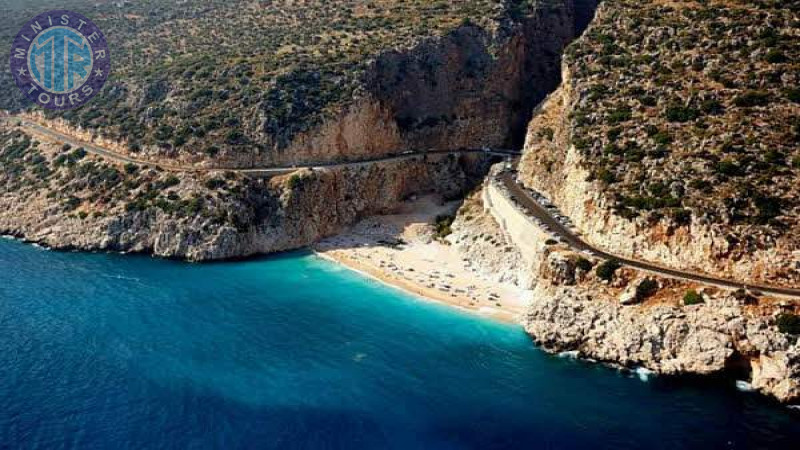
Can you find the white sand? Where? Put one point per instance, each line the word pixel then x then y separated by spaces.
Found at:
pixel 400 250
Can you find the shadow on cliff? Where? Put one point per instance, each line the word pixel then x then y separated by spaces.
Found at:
pixel 474 88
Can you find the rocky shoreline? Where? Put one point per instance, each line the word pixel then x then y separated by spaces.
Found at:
pixel 572 310
pixel 567 310
pixel 87 203
pixel 716 338
pixel 83 203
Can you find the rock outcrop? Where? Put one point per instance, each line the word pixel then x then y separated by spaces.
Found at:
pixel 713 338
pixel 469 88
pixel 620 166
pixel 202 217
pixel 635 321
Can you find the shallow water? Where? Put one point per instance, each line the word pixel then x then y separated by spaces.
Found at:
pixel 109 351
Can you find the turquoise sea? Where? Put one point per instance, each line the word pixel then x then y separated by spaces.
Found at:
pixel 291 352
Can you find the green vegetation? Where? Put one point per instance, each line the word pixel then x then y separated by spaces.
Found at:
pixel 697 126
pixel 584 264
pixel 751 99
pixel 620 115
pixel 793 94
pixel 442 226
pixel 729 168
pixel 606 176
pixel 89 188
pixel 776 56
pixel 239 72
pixel 131 168
pixel 294 181
pixel 608 269
pixel 789 324
pixel 692 297
pixel 214 184
pixel 681 114
pixel 646 289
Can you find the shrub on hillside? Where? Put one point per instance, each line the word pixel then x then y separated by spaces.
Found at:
pixel 443 226
pixel 584 264
pixel 294 181
pixel 752 98
pixel 606 176
pixel 729 168
pixel 692 297
pixel 789 323
pixel 608 269
pixel 776 56
pixel 682 216
pixel 678 113
pixel 620 115
pixel 793 94
pixel 215 183
pixel 646 289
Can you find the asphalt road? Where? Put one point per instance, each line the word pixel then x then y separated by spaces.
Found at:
pixel 255 171
pixel 518 193
pixel 545 216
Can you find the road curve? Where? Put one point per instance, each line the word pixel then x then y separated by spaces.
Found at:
pixel 516 191
pixel 262 171
pixel 540 212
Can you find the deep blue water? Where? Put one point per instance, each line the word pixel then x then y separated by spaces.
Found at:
pixel 118 352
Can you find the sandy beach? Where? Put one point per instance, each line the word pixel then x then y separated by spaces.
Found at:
pixel 401 250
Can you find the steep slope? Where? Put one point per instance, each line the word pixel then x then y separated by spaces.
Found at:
pixel 257 83
pixel 637 147
pixel 466 79
pixel 682 147
pixel 62 197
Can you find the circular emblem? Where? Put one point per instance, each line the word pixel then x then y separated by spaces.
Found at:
pixel 60 59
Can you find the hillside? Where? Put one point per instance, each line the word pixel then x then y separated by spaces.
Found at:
pixel 673 141
pixel 667 134
pixel 217 84
pixel 249 82
pixel 678 134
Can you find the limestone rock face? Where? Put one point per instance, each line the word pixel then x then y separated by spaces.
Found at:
pixel 629 297
pixel 554 165
pixel 469 88
pixel 559 268
pixel 627 322
pixel 485 246
pixel 279 215
pixel 666 339
pixel 779 374
pixel 571 310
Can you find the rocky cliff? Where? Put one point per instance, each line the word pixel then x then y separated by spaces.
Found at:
pixel 633 321
pixel 615 153
pixel 470 87
pixel 464 85
pixel 66 199
pixel 638 163
pixel 719 337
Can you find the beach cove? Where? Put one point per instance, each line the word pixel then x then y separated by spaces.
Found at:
pixel 292 351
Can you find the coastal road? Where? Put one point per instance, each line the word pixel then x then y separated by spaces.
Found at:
pixel 517 192
pixel 252 171
pixel 539 211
